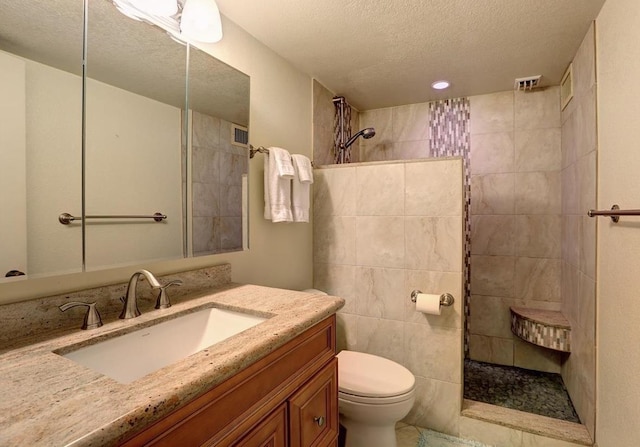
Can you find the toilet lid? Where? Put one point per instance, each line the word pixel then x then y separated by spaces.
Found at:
pixel 372 376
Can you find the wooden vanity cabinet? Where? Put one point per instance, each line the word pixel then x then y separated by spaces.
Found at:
pixel 272 432
pixel 313 410
pixel 289 398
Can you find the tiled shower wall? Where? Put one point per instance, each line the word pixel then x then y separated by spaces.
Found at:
pixel 533 178
pixel 515 209
pixel 516 225
pixel 323 126
pixel 217 170
pixel 382 230
pixel 579 146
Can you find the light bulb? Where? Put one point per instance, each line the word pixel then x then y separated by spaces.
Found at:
pixel 440 85
pixel 201 21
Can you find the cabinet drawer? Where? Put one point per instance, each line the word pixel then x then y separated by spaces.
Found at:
pixel 272 432
pixel 313 410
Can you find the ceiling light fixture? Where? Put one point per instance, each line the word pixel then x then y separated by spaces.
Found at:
pixel 163 8
pixel 201 21
pixel 128 10
pixel 440 85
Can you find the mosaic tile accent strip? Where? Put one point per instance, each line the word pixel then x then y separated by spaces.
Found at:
pixel 553 334
pixel 449 137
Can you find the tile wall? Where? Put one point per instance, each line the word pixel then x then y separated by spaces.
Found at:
pixel 217 170
pixel 402 133
pixel 324 116
pixel 579 149
pixel 515 165
pixel 382 230
pixel 516 222
pixel 533 173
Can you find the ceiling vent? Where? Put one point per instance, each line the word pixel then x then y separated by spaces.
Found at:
pixel 239 135
pixel 528 83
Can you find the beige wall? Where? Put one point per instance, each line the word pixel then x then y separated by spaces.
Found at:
pixel 13 237
pixel 133 147
pixel 119 126
pixel 54 113
pixel 618 267
pixel 579 232
pixel 280 254
pixel 413 212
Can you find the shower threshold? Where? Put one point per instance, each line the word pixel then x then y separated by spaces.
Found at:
pixel 569 432
pixel 530 401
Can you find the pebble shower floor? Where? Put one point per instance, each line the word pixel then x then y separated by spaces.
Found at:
pixel 519 389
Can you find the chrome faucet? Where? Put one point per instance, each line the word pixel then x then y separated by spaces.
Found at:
pixel 130 309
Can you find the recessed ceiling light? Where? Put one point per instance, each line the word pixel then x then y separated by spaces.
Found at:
pixel 440 85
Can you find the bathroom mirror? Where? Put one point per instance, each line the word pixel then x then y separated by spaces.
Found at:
pixel 40 145
pixel 137 139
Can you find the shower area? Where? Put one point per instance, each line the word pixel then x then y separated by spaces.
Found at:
pixel 528 247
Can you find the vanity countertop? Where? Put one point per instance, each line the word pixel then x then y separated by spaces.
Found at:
pixel 53 401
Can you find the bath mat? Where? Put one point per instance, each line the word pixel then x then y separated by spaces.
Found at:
pixel 430 438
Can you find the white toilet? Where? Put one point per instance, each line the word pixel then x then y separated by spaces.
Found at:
pixel 373 394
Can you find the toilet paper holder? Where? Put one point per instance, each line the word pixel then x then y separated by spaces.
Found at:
pixel 446 299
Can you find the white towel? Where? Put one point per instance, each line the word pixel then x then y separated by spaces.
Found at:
pixel 282 161
pixel 300 189
pixel 303 166
pixel 277 192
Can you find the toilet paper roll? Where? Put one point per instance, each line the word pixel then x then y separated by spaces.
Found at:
pixel 428 303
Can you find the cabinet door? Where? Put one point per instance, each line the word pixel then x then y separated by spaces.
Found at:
pixel 271 432
pixel 313 410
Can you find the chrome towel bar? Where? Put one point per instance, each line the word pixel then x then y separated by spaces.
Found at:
pixel 263 150
pixel 614 213
pixel 66 218
pixel 253 150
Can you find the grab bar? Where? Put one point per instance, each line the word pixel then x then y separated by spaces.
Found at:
pixel 66 218
pixel 614 213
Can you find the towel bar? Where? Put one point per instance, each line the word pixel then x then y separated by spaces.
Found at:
pixel 66 218
pixel 614 213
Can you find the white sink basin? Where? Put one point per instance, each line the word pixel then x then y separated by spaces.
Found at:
pixel 130 356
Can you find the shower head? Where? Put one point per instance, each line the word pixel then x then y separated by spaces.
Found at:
pixel 365 133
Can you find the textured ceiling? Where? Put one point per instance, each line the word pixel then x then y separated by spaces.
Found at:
pixel 380 53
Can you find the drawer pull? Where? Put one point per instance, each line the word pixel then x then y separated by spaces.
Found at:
pixel 319 420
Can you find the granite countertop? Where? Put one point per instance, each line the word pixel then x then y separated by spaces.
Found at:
pixel 53 401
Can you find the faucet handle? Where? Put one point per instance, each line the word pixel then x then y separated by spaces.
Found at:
pixel 163 298
pixel 92 318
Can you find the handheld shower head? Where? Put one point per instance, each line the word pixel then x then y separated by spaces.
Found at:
pixel 365 133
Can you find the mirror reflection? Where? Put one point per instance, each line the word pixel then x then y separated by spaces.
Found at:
pixel 219 161
pixel 135 95
pixel 41 135
pixel 144 153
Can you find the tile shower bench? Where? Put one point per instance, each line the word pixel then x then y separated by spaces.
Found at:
pixel 546 328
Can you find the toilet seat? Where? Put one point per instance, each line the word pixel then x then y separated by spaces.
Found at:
pixel 375 400
pixel 372 379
